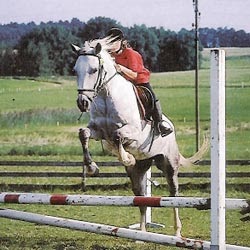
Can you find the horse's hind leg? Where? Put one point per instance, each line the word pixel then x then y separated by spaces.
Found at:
pixel 172 179
pixel 92 168
pixel 137 175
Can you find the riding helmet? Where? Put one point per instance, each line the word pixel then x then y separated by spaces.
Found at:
pixel 115 33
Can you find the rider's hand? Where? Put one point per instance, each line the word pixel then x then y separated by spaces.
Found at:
pixel 118 68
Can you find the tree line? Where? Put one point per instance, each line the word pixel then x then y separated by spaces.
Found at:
pixel 35 50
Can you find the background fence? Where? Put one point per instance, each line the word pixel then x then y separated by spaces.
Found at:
pixel 109 177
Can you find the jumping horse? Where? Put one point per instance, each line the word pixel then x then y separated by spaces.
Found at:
pixel 116 120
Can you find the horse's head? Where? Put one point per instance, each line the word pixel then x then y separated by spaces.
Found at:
pixel 89 71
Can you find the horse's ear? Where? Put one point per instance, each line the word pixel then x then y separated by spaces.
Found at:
pixel 98 48
pixel 75 48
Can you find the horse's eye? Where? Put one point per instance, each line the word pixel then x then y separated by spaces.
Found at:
pixel 92 71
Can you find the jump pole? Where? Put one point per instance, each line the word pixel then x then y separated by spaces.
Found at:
pixel 218 162
pixel 103 229
pixel 110 230
pixel 131 201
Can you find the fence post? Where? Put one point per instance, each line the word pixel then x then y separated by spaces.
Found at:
pixel 149 182
pixel 148 193
pixel 83 177
pixel 218 162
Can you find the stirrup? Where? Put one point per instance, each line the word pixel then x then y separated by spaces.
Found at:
pixel 163 129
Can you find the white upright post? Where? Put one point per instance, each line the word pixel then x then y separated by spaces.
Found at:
pixel 218 162
pixel 148 221
pixel 148 194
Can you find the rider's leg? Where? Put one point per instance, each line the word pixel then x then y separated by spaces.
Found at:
pixel 163 126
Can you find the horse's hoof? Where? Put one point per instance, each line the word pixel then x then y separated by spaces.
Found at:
pixel 139 242
pixel 96 173
pixel 130 162
pixel 92 169
pixel 178 235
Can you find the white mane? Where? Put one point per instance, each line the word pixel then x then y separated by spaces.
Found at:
pixel 106 44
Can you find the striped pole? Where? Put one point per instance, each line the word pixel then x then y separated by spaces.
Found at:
pixel 95 200
pixel 110 230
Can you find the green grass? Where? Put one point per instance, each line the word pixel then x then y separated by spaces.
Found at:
pixel 49 126
pixel 20 95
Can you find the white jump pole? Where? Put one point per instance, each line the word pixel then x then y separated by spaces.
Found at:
pixel 218 162
pixel 110 230
pixel 104 229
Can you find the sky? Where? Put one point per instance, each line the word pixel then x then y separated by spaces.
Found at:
pixel 170 14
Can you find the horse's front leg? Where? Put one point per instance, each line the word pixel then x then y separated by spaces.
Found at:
pixel 124 157
pixel 92 168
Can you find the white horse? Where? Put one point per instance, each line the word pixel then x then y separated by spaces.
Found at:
pixel 115 119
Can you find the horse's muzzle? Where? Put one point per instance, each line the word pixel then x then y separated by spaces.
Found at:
pixel 83 103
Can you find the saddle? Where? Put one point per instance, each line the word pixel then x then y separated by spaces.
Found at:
pixel 145 101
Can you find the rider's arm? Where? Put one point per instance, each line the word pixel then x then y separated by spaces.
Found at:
pixel 127 72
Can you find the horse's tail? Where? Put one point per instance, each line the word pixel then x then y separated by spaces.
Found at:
pixel 186 162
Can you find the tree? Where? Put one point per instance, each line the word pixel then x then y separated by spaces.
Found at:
pixel 168 50
pixel 97 28
pixel 186 50
pixel 8 61
pixel 145 41
pixel 46 51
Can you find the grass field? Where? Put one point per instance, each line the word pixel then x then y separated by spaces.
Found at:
pixel 38 119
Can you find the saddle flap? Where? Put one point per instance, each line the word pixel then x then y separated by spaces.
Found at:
pixel 145 101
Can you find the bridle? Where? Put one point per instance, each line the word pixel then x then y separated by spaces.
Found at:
pixel 100 81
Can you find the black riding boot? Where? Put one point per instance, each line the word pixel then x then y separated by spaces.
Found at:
pixel 162 125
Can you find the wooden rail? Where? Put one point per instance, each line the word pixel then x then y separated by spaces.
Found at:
pixel 101 163
pixel 113 175
pixel 81 175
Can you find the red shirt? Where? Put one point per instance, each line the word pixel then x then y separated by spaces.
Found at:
pixel 131 59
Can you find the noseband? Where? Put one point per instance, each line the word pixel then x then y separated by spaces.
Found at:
pixel 100 81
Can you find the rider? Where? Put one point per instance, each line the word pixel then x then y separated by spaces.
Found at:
pixel 130 64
